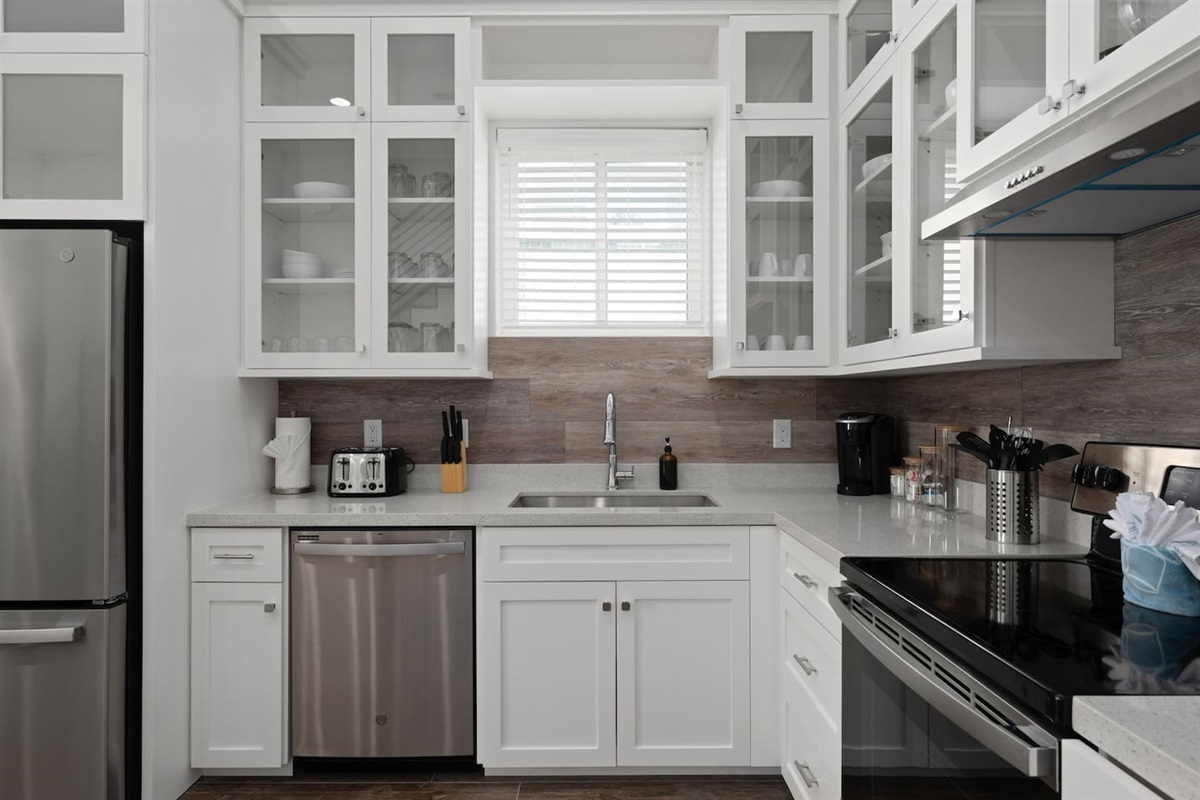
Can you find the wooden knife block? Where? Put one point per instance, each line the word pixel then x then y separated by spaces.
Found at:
pixel 454 476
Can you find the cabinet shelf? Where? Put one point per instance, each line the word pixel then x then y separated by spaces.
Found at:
pixel 877 271
pixel 779 279
pixel 308 285
pixel 397 282
pixel 874 185
pixel 303 209
pixel 942 128
pixel 421 209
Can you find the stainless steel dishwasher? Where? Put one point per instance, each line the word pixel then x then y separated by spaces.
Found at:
pixel 382 643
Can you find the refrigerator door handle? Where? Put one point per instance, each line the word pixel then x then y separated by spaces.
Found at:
pixel 42 635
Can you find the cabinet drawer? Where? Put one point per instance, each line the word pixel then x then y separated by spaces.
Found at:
pixel 237 554
pixel 812 659
pixel 811 749
pixel 638 553
pixel 808 577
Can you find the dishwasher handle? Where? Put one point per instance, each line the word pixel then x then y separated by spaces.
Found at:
pixel 417 549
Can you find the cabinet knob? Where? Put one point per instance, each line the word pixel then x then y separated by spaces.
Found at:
pixel 741 345
pixel 462 111
pixel 1048 104
pixel 625 605
pixel 606 606
pixel 805 665
pixel 362 348
pixel 806 774
pixel 893 333
pixel 269 608
pixel 462 348
pixel 963 315
pixel 737 108
pixel 362 112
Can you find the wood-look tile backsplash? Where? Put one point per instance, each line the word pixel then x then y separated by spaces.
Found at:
pixel 546 403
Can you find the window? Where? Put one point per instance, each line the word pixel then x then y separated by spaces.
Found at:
pixel 602 232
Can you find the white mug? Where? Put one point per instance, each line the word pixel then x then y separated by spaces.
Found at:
pixel 775 342
pixel 803 342
pixel 752 342
pixel 768 266
pixel 804 265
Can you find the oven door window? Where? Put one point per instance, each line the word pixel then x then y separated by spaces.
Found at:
pixel 894 745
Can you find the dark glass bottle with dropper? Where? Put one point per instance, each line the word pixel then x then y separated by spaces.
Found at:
pixel 668 469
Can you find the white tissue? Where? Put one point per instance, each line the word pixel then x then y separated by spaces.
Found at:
pixel 1145 519
pixel 290 450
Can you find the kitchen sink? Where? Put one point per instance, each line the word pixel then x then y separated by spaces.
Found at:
pixel 612 500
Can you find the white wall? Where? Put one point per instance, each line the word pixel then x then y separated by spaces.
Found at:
pixel 203 426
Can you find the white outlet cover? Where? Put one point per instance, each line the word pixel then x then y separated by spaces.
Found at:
pixel 372 433
pixel 781 433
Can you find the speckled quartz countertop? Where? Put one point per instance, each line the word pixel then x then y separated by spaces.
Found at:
pixel 1157 738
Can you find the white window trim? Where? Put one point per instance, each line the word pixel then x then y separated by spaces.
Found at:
pixel 565 131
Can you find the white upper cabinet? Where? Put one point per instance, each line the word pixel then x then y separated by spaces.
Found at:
pixel 869 34
pixel 307 70
pixel 72 136
pixel 421 69
pixel 73 26
pixel 779 67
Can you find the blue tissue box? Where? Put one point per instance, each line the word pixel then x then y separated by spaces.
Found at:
pixel 1156 578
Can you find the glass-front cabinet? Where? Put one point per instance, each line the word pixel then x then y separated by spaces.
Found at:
pixel 73 26
pixel 307 246
pixel 779 310
pixel 72 136
pixel 307 70
pixel 421 306
pixel 869 37
pixel 780 66
pixel 870 272
pixel 420 68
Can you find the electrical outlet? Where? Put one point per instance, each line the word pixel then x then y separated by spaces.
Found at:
pixel 781 433
pixel 372 433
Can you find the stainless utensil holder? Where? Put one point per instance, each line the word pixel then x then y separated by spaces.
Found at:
pixel 1012 506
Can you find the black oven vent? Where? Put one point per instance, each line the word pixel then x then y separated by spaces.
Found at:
pixel 917 653
pixel 954 683
pixel 887 630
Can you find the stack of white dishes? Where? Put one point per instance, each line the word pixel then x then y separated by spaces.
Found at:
pixel 301 265
pixel 343 273
pixel 778 189
pixel 321 189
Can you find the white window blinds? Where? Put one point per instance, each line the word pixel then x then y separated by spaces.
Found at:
pixel 602 231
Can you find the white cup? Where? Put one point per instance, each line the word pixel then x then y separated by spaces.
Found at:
pixel 803 342
pixel 804 265
pixel 775 342
pixel 752 342
pixel 787 266
pixel 768 265
pixel 322 344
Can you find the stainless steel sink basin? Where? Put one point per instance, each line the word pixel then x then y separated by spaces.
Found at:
pixel 612 500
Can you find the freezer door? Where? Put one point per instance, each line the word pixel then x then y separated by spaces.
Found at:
pixel 62 704
pixel 62 330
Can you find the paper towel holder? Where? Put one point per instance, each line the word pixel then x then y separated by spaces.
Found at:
pixel 288 490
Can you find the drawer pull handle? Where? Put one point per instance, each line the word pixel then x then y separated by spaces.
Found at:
pixel 806 774
pixel 808 582
pixel 805 665
pixel 235 556
pixel 269 608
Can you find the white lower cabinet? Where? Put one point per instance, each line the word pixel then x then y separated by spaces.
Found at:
pixel 1088 775
pixel 239 649
pixel 611 673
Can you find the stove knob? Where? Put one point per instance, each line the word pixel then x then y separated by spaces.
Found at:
pixel 1113 479
pixel 1084 475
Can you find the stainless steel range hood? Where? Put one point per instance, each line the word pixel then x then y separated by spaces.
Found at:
pixel 1078 184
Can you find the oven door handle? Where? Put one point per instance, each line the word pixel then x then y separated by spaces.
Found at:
pixel 1022 743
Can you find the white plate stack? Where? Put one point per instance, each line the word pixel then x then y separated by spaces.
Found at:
pixel 343 273
pixel 298 264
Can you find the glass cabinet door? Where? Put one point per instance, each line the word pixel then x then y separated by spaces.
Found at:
pixel 73 26
pixel 779 64
pixel 869 221
pixel 780 313
pixel 868 32
pixel 422 189
pixel 941 270
pixel 307 70
pixel 72 136
pixel 306 237
pixel 421 69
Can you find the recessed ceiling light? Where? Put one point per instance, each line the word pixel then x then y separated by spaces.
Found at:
pixel 1175 152
pixel 339 101
pixel 1037 212
pixel 997 214
pixel 1126 153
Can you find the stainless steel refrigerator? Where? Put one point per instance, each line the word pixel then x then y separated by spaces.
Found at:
pixel 69 355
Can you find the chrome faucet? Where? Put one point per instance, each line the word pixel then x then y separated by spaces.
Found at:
pixel 615 473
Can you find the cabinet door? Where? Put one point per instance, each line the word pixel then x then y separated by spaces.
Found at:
pixel 779 315
pixel 237 675
pixel 421 69
pixel 683 673
pixel 868 33
pixel 1012 63
pixel 547 682
pixel 1087 775
pixel 780 67
pixel 307 235
pixel 307 70
pixel 1115 43
pixel 422 298
pixel 73 26
pixel 72 136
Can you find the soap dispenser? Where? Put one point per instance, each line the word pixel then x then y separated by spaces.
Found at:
pixel 668 468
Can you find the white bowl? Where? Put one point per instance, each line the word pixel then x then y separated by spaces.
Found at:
pixel 876 163
pixel 323 189
pixel 778 189
pixel 886 239
pixel 952 93
pixel 303 270
pixel 299 255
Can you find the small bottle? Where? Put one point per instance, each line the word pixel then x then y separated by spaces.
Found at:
pixel 668 469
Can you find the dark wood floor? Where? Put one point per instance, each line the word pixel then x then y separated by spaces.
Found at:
pixel 455 786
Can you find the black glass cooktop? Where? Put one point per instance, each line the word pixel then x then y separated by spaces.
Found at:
pixel 1042 630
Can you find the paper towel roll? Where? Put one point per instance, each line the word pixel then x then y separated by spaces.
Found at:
pixel 290 449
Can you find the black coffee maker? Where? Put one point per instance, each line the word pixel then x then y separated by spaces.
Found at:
pixel 866 447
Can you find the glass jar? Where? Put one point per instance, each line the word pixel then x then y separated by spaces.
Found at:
pixel 897 481
pixel 943 436
pixel 933 489
pixel 912 479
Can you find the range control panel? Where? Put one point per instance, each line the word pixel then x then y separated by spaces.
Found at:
pixel 1107 469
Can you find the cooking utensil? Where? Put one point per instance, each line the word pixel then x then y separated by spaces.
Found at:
pixel 1056 452
pixel 984 457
